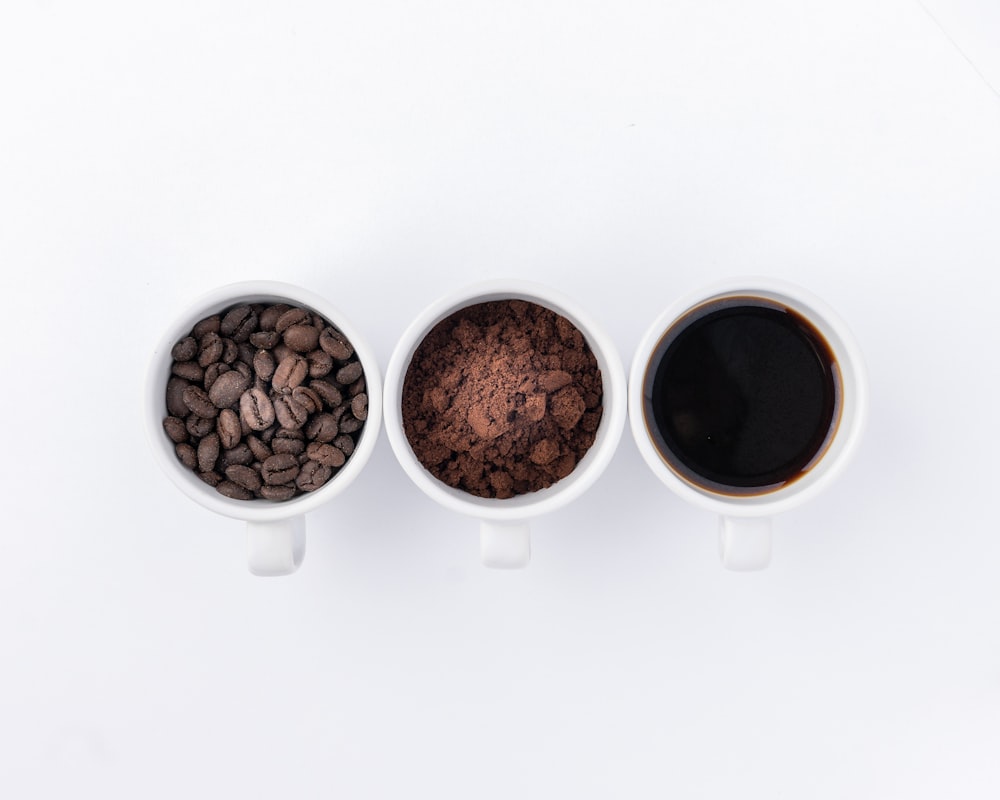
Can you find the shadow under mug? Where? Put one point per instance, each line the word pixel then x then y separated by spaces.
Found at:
pixel 745 515
pixel 275 530
pixel 505 523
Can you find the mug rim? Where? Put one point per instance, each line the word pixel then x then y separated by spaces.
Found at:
pixel 525 506
pixel 158 372
pixel 849 428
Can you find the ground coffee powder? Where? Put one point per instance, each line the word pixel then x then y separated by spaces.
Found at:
pixel 502 398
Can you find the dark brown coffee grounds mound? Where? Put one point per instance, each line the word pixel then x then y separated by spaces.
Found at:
pixel 502 398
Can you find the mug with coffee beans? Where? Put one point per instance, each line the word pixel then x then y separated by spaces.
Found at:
pixel 503 401
pixel 748 398
pixel 262 402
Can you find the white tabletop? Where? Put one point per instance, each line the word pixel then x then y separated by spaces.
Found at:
pixel 380 154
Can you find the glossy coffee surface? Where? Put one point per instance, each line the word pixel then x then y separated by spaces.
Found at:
pixel 741 395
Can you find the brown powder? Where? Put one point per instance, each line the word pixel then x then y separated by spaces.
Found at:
pixel 502 398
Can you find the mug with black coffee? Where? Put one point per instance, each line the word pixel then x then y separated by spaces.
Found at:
pixel 747 398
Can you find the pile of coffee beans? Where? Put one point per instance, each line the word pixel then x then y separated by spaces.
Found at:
pixel 265 401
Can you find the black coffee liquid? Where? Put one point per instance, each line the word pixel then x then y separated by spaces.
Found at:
pixel 742 394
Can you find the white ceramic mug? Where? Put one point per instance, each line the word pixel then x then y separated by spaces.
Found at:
pixel 745 521
pixel 504 523
pixel 275 530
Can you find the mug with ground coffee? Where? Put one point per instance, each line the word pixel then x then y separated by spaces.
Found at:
pixel 504 401
pixel 262 402
pixel 747 399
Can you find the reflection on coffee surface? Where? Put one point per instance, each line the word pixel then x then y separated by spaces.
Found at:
pixel 741 396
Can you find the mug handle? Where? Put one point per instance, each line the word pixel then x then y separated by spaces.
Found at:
pixel 276 548
pixel 745 543
pixel 505 545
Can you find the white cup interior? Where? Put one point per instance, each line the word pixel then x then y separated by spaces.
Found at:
pixel 848 426
pixel 524 506
pixel 155 410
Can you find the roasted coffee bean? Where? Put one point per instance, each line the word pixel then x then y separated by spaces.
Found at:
pixel 270 315
pixel 267 435
pixel 301 338
pixel 185 350
pixel 285 492
pixel 293 447
pixel 241 454
pixel 198 426
pixel 209 349
pixel 239 323
pixel 312 475
pixel 289 373
pixel 326 454
pixel 211 477
pixel 230 351
pixel 246 389
pixel 176 406
pixel 349 373
pixel 279 468
pixel 229 428
pixel 345 444
pixel 207 325
pixel 359 406
pixel 260 450
pixel 350 424
pixel 287 434
pixel 322 428
pixel 320 363
pixel 245 370
pixel 294 316
pixel 212 373
pixel 245 352
pixel 357 387
pixel 208 452
pixel 265 340
pixel 176 430
pixel 307 398
pixel 256 409
pixel 188 370
pixel 234 491
pixel 327 392
pixel 263 364
pixel 197 401
pixel 187 455
pixel 228 388
pixel 282 351
pixel 336 344
pixel 290 413
pixel 244 476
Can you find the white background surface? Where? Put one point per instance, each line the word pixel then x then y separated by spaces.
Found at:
pixel 380 154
